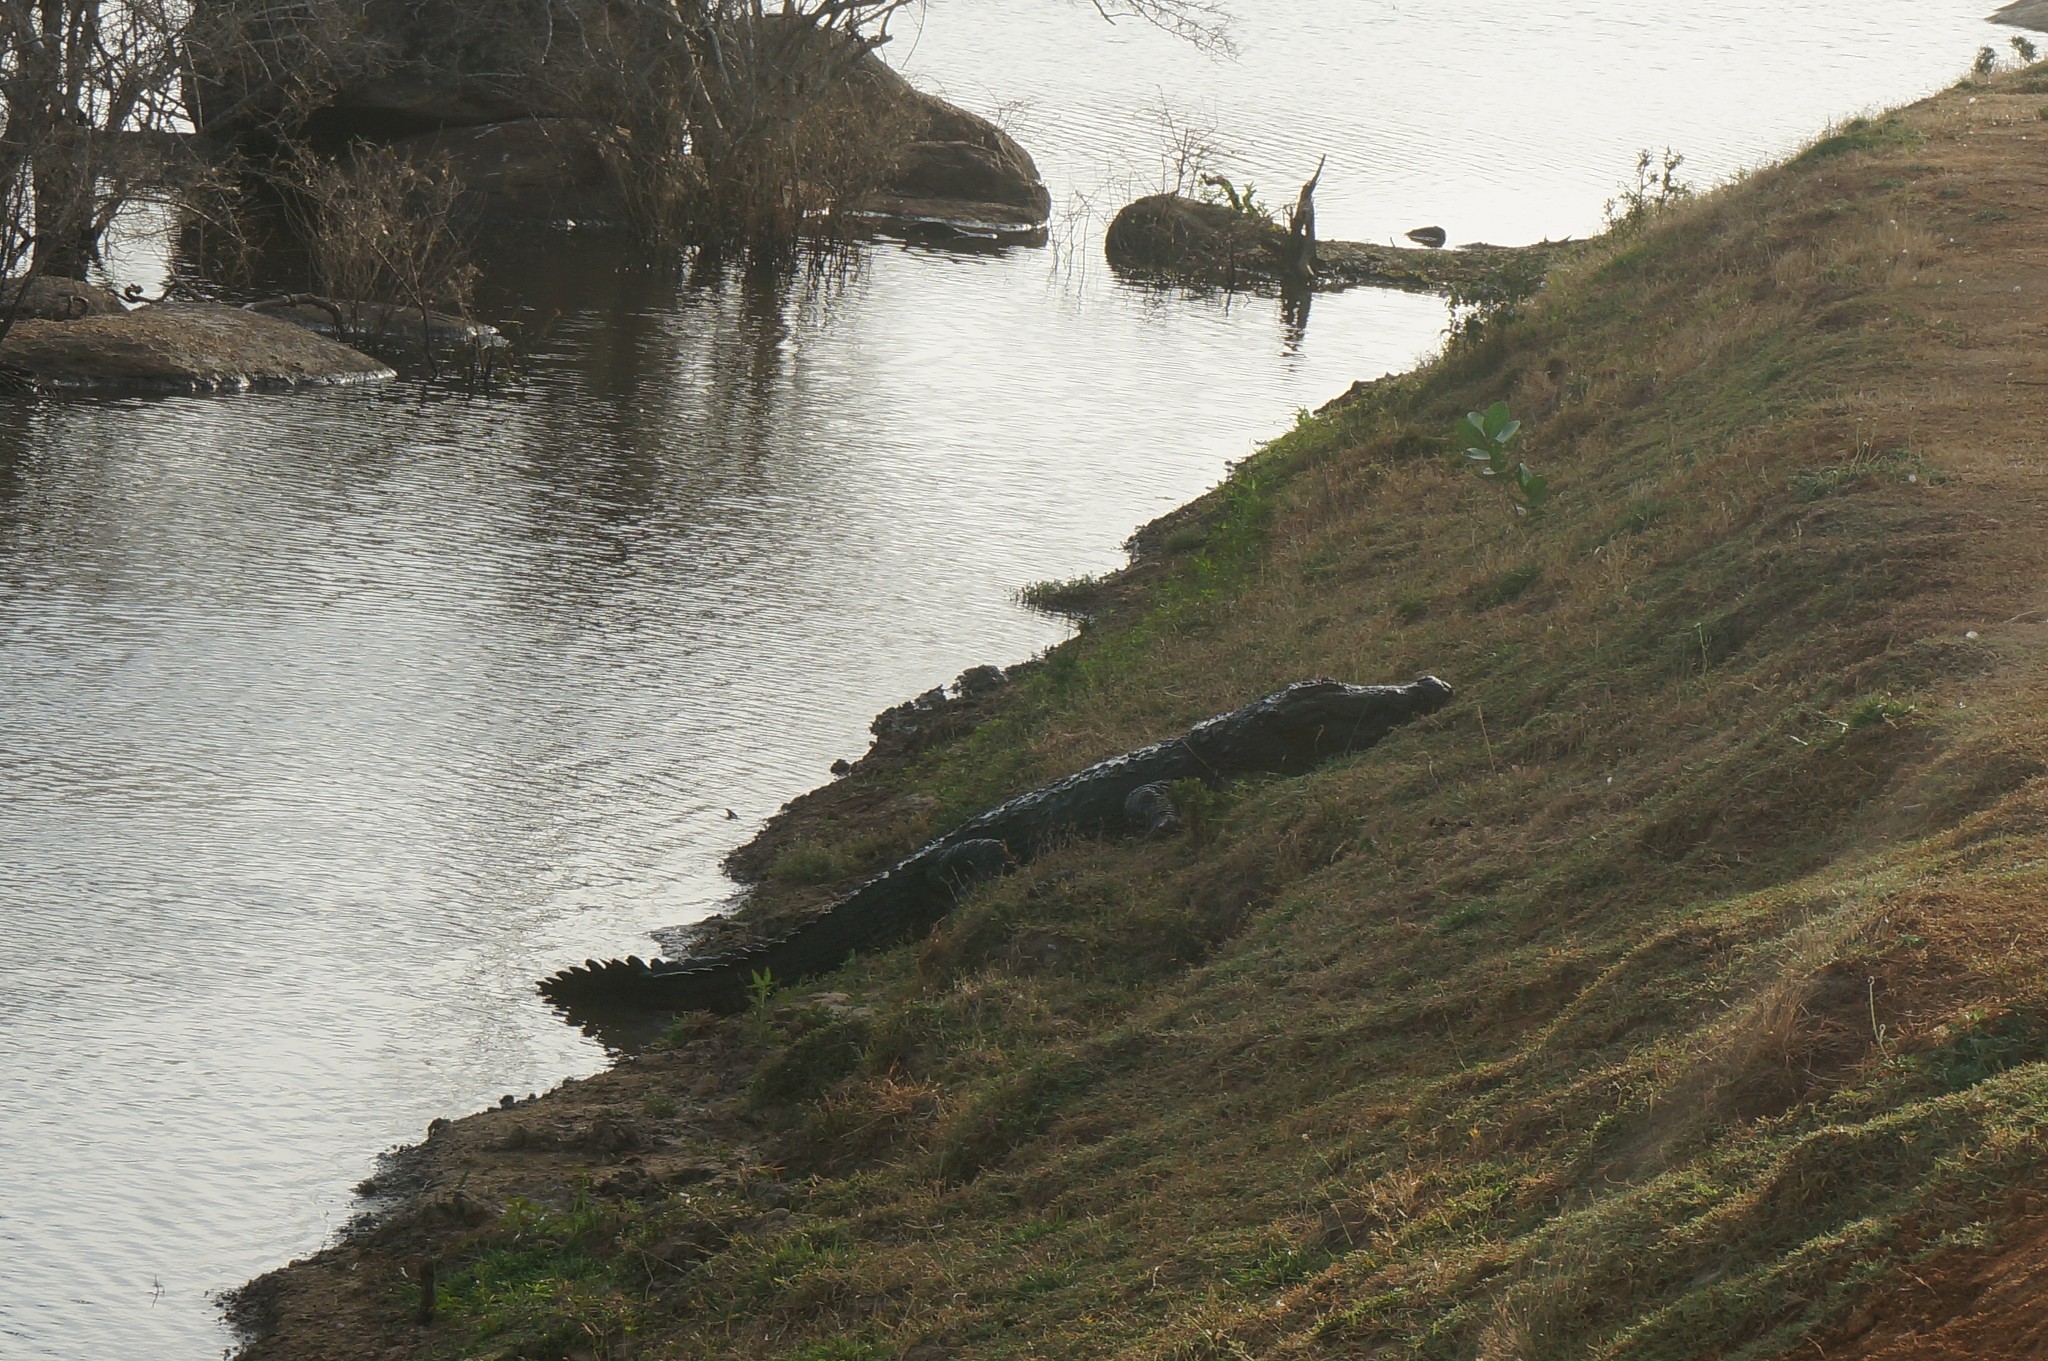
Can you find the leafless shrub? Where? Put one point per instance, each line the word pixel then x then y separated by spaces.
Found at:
pixel 379 228
pixel 1189 147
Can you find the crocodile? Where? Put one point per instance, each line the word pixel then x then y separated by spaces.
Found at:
pixel 1288 732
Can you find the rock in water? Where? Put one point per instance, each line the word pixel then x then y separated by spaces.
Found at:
pixel 181 348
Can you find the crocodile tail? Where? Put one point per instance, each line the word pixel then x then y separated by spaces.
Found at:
pixel 708 985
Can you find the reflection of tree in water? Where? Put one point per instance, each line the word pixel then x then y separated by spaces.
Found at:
pixel 14 435
pixel 1295 301
pixel 664 404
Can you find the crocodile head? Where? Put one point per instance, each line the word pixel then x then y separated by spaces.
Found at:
pixel 1297 729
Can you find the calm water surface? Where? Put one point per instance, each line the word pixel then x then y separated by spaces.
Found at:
pixel 330 721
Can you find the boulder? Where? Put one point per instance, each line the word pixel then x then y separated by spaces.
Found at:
pixel 493 89
pixel 543 169
pixel 57 299
pixel 176 348
pixel 949 166
pixel 374 69
pixel 1175 235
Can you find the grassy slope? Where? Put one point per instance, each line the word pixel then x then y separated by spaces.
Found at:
pixel 1671 995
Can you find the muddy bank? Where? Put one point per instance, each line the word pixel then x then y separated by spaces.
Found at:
pixel 667 1124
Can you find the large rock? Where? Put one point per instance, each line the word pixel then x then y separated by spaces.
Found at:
pixel 1174 235
pixel 543 169
pixel 373 69
pixel 494 90
pixel 178 348
pixel 56 299
pixel 949 165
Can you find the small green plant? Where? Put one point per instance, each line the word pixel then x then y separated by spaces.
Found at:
pixel 1483 439
pixel 1244 202
pixel 761 987
pixel 1875 710
pixel 839 1349
pixel 809 863
pixel 1867 467
pixel 1986 62
pixel 1076 597
pixel 1860 134
pixel 1504 589
pixel 2023 49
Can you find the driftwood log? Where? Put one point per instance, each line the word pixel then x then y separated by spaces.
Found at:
pixel 1286 733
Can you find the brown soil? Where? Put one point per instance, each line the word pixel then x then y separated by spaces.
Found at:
pixel 1960 1306
pixel 184 348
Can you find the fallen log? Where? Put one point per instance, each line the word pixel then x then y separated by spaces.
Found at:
pixel 1288 732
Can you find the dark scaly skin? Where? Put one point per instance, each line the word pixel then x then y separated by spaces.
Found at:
pixel 1286 733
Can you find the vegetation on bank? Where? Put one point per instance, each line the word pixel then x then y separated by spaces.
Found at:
pixel 1677 993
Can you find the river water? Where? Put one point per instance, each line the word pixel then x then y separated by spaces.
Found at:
pixel 330 721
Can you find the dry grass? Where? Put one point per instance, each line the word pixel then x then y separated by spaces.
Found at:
pixel 1676 994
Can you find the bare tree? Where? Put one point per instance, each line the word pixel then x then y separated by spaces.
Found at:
pixel 83 84
pixel 1204 23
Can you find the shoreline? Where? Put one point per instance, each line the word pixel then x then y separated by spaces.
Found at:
pixel 1002 1105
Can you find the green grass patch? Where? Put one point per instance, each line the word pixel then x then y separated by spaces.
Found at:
pixel 1861 134
pixel 1870 469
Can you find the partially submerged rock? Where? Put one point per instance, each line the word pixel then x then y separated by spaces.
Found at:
pixel 950 167
pixel 1171 236
pixel 55 299
pixel 177 348
pixel 383 326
